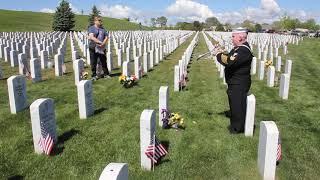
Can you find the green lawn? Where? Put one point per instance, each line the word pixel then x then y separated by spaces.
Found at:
pixel 204 150
pixel 37 21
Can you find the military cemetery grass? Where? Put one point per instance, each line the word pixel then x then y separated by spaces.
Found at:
pixel 36 21
pixel 204 150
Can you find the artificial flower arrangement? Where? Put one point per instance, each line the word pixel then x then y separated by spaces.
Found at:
pixel 173 120
pixel 268 63
pixel 84 75
pixel 127 81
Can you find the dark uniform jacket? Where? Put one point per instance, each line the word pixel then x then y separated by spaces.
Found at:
pixel 237 64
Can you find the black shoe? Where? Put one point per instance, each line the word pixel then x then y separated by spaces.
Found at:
pixel 95 78
pixel 227 113
pixel 233 130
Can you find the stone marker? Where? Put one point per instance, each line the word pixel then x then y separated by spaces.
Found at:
pixel 261 70
pixel 284 86
pixel 85 99
pixel 147 130
pixel 137 67
pixel 119 57
pixel 58 62
pixel 14 58
pixel 288 67
pixel 23 64
pixel 126 68
pixel 270 76
pixel 163 102
pixel 17 93
pixel 35 67
pixel 43 121
pixel 151 60
pixel 267 150
pixel 78 66
pixel 176 86
pixel 109 61
pixel 253 69
pixel 278 64
pixel 145 63
pixel 250 113
pixel 6 54
pixel 44 59
pixel 1 74
pixel 115 171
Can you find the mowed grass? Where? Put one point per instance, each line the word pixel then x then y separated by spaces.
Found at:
pixel 204 150
pixel 37 21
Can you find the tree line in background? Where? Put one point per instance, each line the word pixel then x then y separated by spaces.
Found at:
pixel 63 20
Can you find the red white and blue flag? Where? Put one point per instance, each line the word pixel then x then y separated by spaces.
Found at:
pixel 46 144
pixel 279 150
pixel 155 150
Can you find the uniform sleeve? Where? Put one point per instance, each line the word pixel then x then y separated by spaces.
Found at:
pixel 91 30
pixel 106 34
pixel 239 57
pixel 222 58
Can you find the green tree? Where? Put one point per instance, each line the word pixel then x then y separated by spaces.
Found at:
pixel 220 28
pixel 153 22
pixel 228 27
pixel 309 24
pixel 289 23
pixel 95 12
pixel 212 21
pixel 248 24
pixel 63 18
pixel 197 26
pixel 258 27
pixel 162 21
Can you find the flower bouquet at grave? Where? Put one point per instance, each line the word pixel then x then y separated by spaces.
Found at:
pixel 127 81
pixel 268 63
pixel 172 120
pixel 84 75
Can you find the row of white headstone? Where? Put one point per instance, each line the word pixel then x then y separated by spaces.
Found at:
pixel 180 70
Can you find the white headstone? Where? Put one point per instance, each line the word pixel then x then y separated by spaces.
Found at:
pixel 115 171
pixel 44 59
pixel 278 64
pixel 145 62
pixel 75 55
pixel 109 61
pixel 270 76
pixel 176 86
pixel 35 67
pixel 1 74
pixel 137 67
pixel 119 57
pixel 126 68
pixel 288 67
pixel 157 56
pixel 23 64
pixel 17 93
pixel 88 57
pixel 33 53
pixel 253 69
pixel 147 130
pixel 6 54
pixel 85 99
pixel 163 102
pixel 43 121
pixel 284 86
pixel 14 58
pixel 221 74
pixel 250 113
pixel 78 66
pixel 1 50
pixel 151 60
pixel 58 61
pixel 261 70
pixel 267 150
pixel 128 53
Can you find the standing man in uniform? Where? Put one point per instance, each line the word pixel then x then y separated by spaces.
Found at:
pixel 237 73
pixel 98 38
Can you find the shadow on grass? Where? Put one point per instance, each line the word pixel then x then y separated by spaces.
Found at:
pixel 16 177
pixel 115 74
pixel 100 110
pixel 58 149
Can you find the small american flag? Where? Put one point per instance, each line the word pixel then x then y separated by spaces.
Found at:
pixel 155 150
pixel 46 144
pixel 279 151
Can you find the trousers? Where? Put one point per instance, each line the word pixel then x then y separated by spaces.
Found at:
pixel 94 60
pixel 237 96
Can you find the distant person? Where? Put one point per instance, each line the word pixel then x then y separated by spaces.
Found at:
pixel 237 73
pixel 98 38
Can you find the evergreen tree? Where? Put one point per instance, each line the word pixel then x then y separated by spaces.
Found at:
pixel 95 12
pixel 63 18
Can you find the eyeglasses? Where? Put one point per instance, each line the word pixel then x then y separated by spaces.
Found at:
pixel 99 20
